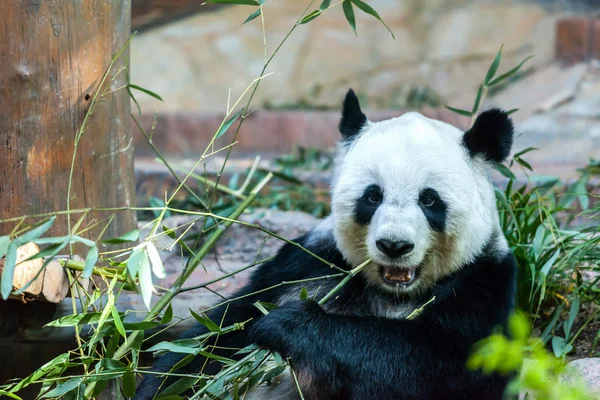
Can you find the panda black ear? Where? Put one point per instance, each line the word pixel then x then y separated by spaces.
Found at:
pixel 491 136
pixel 353 118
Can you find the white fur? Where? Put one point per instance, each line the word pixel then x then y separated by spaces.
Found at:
pixel 403 156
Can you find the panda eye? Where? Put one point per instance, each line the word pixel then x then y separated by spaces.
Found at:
pixel 428 201
pixel 428 198
pixel 374 195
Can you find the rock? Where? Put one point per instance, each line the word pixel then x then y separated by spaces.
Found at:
pixel 445 45
pixel 589 371
pixel 542 91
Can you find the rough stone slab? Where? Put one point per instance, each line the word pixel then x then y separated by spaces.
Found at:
pixel 588 369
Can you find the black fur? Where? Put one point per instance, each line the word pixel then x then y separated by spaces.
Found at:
pixel 367 204
pixel 435 213
pixel 349 354
pixel 491 136
pixel 353 118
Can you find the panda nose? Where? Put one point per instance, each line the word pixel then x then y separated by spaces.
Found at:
pixel 394 248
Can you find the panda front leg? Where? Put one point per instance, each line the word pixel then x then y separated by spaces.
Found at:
pixel 349 357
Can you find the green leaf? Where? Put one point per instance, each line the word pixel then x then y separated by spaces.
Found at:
pixel 349 14
pixel 145 278
pixel 239 2
pixel 580 190
pixel 167 316
pixel 464 113
pixel 140 326
pixel 117 321
pixel 310 17
pixel 573 311
pixel 253 16
pixel 525 151
pixel 148 92
pixel 4 242
pixel 303 294
pixel 560 346
pixel 129 384
pixel 503 169
pixel 512 111
pixel 223 129
pixel 8 270
pixel 509 73
pixel 172 347
pixel 77 319
pixel 90 261
pixel 261 308
pixel 477 100
pixel 493 68
pixel 12 396
pixel 79 239
pixel 524 163
pixel 37 232
pixel 204 320
pixel 324 5
pixel 63 388
pixel 126 238
pixel 135 261
pixel 371 11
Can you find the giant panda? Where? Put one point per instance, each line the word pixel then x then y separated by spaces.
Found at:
pixel 413 195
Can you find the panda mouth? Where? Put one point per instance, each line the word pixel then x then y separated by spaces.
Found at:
pixel 398 276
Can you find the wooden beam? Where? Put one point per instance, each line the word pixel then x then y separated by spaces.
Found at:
pixel 150 13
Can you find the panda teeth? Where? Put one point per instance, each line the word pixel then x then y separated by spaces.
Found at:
pixel 398 276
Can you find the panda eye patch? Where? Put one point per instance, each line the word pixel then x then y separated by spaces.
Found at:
pixel 366 205
pixel 434 208
pixel 374 195
pixel 428 197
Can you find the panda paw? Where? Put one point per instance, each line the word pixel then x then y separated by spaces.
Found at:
pixel 289 329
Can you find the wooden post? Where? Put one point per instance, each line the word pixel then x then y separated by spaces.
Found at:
pixel 53 55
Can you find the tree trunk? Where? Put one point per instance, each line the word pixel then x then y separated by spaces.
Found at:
pixel 53 55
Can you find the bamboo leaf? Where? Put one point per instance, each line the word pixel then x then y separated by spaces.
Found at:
pixel 117 320
pixel 310 17
pixel 509 73
pixel 37 232
pixel 90 261
pixel 128 237
pixel 175 348
pixel 253 16
pixel 525 151
pixel 63 388
pixel 157 265
pixel 144 90
pixel 371 11
pixel 493 68
pixel 349 14
pixel 4 242
pixel 464 113
pixel 503 169
pixel 324 5
pixel 8 270
pixel 167 316
pixel 303 294
pixel 135 261
pixel 204 320
pixel 223 129
pixel 12 396
pixel 512 111
pixel 129 384
pixel 145 278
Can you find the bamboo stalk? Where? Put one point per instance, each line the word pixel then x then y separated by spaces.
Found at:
pixel 164 301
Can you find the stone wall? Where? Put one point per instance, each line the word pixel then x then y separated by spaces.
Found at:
pixel 440 53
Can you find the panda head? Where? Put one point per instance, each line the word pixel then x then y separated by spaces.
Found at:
pixel 414 195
